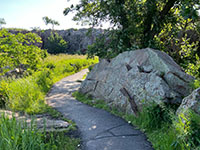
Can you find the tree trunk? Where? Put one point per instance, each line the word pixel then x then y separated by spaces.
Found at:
pixel 148 22
pixel 124 23
pixel 156 27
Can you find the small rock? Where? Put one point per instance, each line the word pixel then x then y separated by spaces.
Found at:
pixel 191 102
pixel 41 121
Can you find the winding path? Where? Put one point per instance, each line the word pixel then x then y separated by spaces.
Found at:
pixel 99 129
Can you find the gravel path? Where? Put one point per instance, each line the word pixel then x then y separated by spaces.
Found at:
pixel 99 129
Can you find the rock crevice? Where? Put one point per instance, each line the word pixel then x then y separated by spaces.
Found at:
pixel 148 75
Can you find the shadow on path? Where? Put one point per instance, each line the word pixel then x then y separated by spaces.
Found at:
pixel 99 129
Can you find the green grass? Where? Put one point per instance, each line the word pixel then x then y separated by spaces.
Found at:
pixel 163 128
pixel 27 94
pixel 16 135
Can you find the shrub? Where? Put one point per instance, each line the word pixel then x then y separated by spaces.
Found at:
pixel 91 67
pixel 44 80
pixel 50 65
pixel 19 49
pixel 154 116
pixel 25 95
pixel 188 129
pixel 55 44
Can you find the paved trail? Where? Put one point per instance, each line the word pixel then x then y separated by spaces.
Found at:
pixel 99 129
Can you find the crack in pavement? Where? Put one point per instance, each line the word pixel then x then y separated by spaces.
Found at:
pixel 113 136
pixel 110 132
pixel 105 131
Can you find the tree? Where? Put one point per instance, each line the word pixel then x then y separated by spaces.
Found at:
pixel 135 23
pixel 2 22
pixel 48 20
pixel 55 44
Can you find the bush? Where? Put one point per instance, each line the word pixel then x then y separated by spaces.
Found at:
pixel 25 95
pixel 91 67
pixel 154 116
pixel 44 80
pixel 20 49
pixel 55 44
pixel 188 130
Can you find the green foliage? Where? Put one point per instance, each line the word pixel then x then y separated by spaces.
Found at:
pixel 181 41
pixel 195 84
pixel 108 45
pixel 27 94
pixel 91 67
pixel 155 116
pixel 188 129
pixel 2 22
pixel 19 49
pixel 56 44
pixel 44 80
pixel 48 20
pixel 15 135
pixel 194 130
pixel 134 24
pixel 3 93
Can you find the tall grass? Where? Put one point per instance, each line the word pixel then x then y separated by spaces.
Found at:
pixel 64 65
pixel 27 94
pixel 15 135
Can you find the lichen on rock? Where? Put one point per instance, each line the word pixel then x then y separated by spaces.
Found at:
pixel 147 75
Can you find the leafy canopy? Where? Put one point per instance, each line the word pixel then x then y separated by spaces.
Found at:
pixel 48 20
pixel 134 23
pixel 55 44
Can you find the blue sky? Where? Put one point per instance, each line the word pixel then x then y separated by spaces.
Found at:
pixel 28 13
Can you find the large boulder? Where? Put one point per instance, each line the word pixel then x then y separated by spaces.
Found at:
pixel 190 103
pixel 135 78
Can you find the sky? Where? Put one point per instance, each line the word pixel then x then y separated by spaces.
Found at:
pixel 28 14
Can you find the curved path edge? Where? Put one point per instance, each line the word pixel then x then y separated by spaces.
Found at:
pixel 99 129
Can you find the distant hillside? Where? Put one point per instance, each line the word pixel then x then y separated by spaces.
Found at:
pixel 78 40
